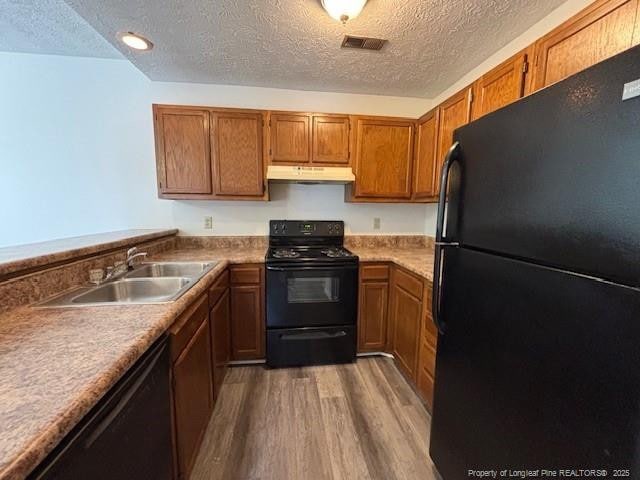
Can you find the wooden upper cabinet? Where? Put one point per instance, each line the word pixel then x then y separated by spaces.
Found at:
pixel 237 150
pixel 290 138
pixel 182 150
pixel 499 87
pixel 453 113
pixel 330 144
pixel 383 160
pixel 603 29
pixel 424 165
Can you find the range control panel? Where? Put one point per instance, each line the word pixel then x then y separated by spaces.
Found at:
pixel 306 228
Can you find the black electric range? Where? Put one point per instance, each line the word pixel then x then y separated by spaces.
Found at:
pixel 311 294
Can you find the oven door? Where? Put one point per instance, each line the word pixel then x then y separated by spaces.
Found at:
pixel 311 296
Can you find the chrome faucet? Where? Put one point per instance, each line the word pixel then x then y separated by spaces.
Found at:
pixel 132 254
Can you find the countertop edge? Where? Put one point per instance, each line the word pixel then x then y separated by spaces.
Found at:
pixel 26 263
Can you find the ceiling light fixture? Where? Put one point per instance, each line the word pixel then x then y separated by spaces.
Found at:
pixel 343 10
pixel 135 41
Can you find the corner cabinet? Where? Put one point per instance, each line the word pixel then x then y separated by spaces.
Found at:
pixel 383 158
pixel 210 154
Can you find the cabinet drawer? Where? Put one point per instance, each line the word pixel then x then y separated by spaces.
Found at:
pixel 374 272
pixel 409 283
pixel 249 275
pixel 218 288
pixel 186 325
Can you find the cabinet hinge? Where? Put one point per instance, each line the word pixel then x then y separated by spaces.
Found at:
pixel 525 67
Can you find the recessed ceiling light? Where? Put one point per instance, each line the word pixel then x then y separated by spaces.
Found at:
pixel 343 10
pixel 135 41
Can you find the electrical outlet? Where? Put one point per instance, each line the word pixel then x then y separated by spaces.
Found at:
pixel 208 223
pixel 376 223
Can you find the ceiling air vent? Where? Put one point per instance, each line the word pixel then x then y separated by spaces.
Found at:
pixel 363 43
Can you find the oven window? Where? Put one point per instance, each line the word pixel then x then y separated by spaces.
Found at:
pixel 313 289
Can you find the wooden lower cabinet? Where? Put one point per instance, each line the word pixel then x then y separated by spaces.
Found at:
pixel 407 313
pixel 220 317
pixel 247 312
pixel 192 389
pixel 427 357
pixel 373 306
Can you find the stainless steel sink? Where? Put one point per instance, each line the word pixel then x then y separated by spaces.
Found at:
pixel 159 282
pixel 135 290
pixel 169 269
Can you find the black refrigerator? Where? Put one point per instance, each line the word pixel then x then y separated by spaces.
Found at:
pixel 537 283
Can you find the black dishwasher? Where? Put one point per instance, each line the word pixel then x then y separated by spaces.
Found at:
pixel 127 435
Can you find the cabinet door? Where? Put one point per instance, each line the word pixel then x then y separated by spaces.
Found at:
pixel 192 393
pixel 237 151
pixel 220 340
pixel 290 138
pixel 330 140
pixel 384 153
pixel 424 165
pixel 453 113
pixel 407 311
pixel 499 87
pixel 372 316
pixel 427 355
pixel 247 322
pixel 598 32
pixel 182 150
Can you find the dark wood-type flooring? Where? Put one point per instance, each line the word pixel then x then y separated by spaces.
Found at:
pixel 357 421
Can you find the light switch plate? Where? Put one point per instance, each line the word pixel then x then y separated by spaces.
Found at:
pixel 376 223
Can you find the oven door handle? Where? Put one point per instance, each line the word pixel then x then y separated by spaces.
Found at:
pixel 317 267
pixel 313 335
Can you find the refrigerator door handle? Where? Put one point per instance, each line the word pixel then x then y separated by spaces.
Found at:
pixel 441 242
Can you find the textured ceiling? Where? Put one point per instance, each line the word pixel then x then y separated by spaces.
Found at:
pixel 295 44
pixel 49 27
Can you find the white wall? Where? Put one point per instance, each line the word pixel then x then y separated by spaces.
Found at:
pixel 75 148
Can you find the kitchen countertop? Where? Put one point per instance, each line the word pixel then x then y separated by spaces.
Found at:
pixel 417 260
pixel 55 364
pixel 34 255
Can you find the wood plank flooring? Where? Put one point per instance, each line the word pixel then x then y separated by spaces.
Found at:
pixel 338 422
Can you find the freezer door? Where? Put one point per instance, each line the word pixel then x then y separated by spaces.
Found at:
pixel 537 369
pixel 555 177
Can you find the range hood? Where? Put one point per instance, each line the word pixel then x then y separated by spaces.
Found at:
pixel 310 175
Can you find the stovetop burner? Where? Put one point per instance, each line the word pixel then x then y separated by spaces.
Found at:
pixel 308 242
pixel 285 253
pixel 336 252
